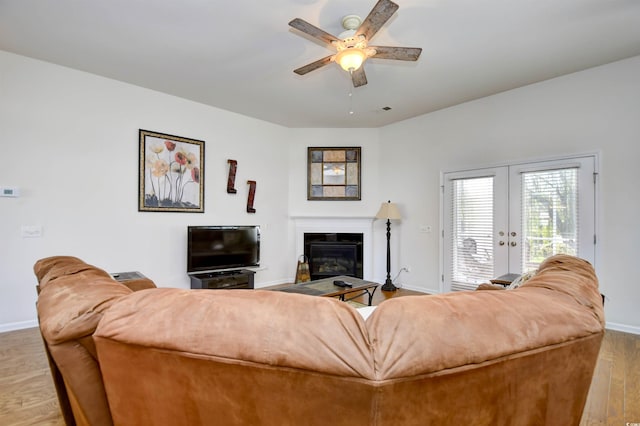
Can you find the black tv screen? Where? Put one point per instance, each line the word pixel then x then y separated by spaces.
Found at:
pixel 222 247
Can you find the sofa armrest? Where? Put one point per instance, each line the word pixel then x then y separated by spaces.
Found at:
pixel 139 284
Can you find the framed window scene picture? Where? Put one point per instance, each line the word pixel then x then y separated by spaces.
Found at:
pixel 333 173
pixel 171 173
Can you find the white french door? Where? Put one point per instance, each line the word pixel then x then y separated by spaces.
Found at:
pixel 508 219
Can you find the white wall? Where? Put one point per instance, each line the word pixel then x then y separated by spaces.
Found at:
pixel 374 167
pixel 69 141
pixel 368 139
pixel 597 110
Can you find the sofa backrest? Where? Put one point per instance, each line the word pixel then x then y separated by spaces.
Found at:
pixel 513 357
pixel 234 357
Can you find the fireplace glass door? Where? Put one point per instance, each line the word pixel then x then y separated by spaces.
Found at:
pixel 333 254
pixel 329 259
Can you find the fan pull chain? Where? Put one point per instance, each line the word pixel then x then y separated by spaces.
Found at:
pixel 351 103
pixel 351 94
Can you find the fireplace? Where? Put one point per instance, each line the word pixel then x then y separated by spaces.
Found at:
pixel 333 254
pixel 337 225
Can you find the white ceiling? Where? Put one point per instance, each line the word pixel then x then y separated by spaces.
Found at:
pixel 239 55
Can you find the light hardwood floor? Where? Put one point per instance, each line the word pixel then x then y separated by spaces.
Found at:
pixel 614 396
pixel 27 395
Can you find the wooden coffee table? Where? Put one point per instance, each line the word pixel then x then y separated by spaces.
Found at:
pixel 326 288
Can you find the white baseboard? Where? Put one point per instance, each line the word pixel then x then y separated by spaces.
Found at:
pixel 12 326
pixel 623 327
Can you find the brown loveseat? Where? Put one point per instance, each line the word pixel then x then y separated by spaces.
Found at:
pixel 256 357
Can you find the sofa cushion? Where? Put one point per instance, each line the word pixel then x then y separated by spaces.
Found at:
pixel 65 269
pixel 70 307
pixel 326 335
pixel 422 334
pixel 44 265
pixel 578 284
pixel 459 329
pixel 521 280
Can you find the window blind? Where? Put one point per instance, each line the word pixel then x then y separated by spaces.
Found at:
pixel 472 229
pixel 549 215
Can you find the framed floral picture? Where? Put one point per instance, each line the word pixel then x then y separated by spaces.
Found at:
pixel 171 173
pixel 333 173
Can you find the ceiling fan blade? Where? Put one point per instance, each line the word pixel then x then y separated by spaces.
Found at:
pixel 305 27
pixel 380 14
pixel 313 65
pixel 398 53
pixel 358 77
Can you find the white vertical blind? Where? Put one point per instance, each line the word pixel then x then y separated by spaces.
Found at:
pixel 550 216
pixel 472 213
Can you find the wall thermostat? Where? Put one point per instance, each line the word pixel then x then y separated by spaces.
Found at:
pixel 9 191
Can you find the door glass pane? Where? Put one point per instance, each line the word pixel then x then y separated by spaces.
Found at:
pixel 472 230
pixel 549 215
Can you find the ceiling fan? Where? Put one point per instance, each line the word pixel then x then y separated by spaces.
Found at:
pixel 353 45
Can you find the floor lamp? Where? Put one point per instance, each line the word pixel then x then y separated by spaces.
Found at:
pixel 388 211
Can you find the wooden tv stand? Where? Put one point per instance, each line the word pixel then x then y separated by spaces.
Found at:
pixel 240 278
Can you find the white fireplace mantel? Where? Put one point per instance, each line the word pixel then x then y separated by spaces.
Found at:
pixel 339 224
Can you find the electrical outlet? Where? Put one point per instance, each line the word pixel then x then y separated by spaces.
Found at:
pixel 31 231
pixel 407 268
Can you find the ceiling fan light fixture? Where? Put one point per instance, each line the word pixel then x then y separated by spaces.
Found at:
pixel 351 59
pixel 352 45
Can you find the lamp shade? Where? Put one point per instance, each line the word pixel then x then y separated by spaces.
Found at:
pixel 351 59
pixel 388 210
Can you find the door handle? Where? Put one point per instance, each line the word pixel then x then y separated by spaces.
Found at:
pixel 513 244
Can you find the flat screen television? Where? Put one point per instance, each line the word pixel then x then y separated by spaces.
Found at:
pixel 213 248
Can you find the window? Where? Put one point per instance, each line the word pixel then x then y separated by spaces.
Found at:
pixel 509 219
pixel 550 219
pixel 472 229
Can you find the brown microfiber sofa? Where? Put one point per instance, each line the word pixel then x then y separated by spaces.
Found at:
pixel 72 297
pixel 257 357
